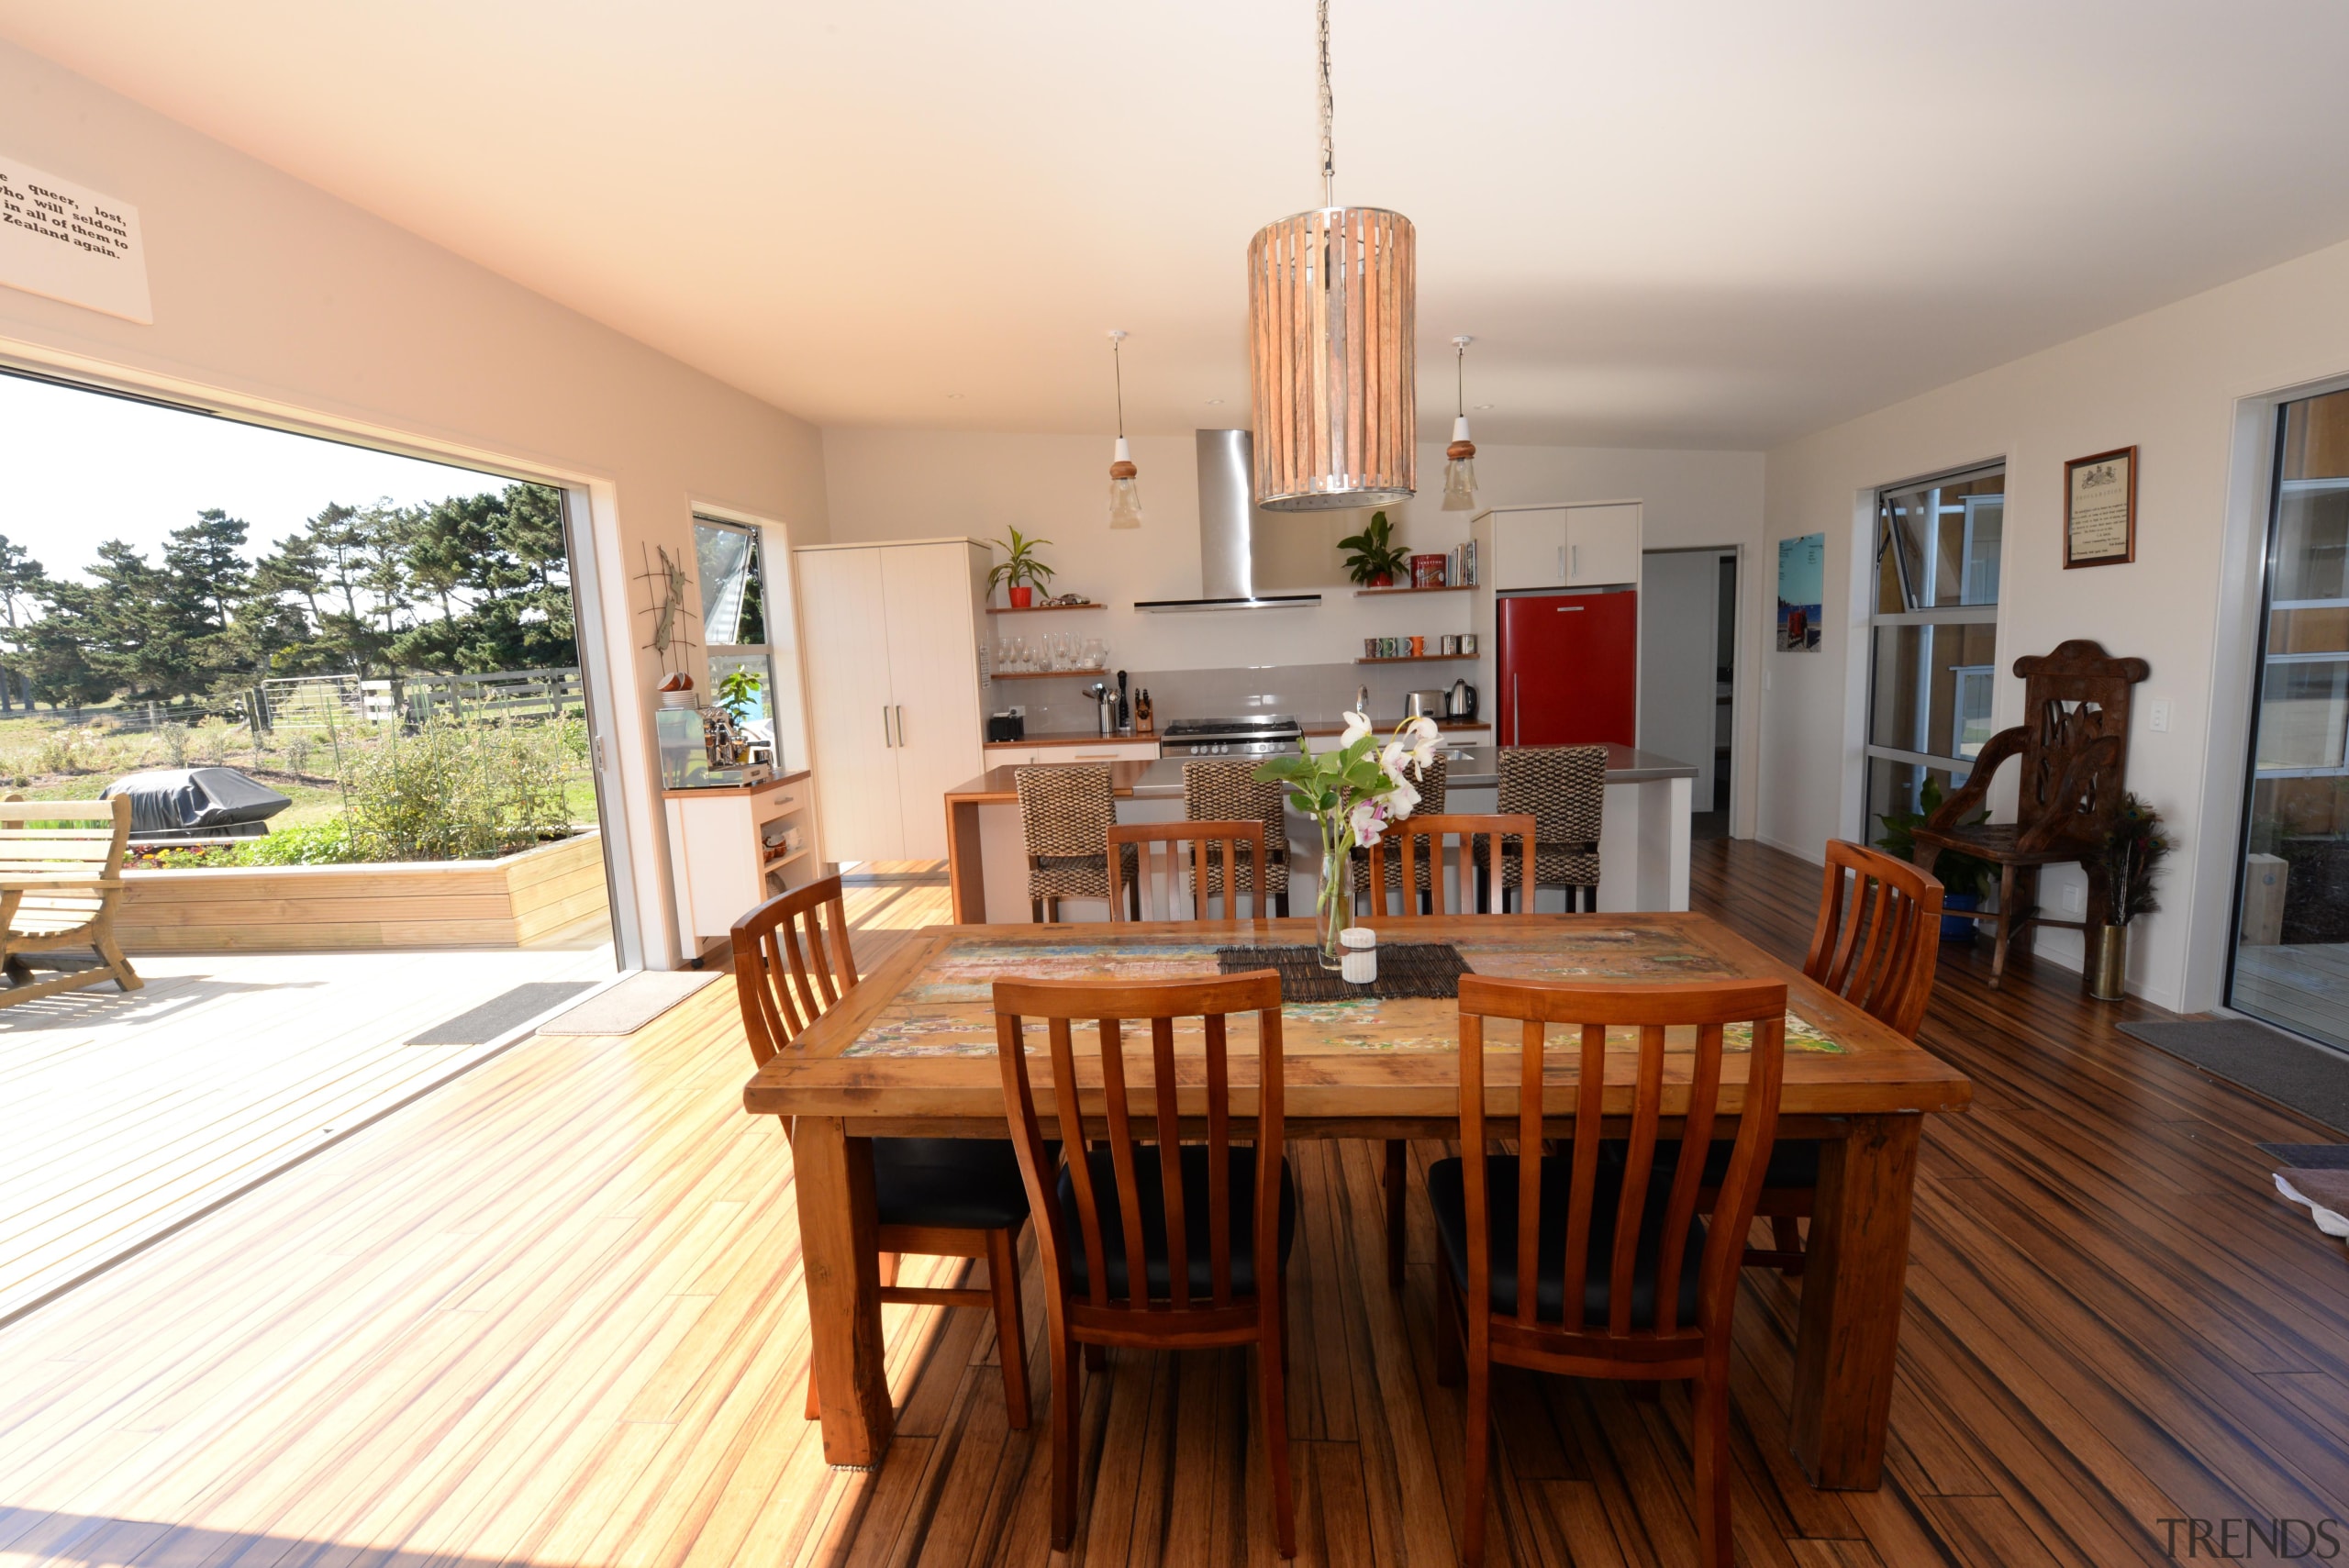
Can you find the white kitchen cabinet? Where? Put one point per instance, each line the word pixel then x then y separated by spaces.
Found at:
pixel 1559 547
pixel 1528 549
pixel 733 848
pixel 891 640
pixel 1602 544
pixel 1107 751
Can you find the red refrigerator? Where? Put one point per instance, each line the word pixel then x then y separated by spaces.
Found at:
pixel 1569 669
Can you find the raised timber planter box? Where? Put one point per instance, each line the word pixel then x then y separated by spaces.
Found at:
pixel 430 904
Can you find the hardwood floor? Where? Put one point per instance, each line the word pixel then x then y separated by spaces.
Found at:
pixel 551 1314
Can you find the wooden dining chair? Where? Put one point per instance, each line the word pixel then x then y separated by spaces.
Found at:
pixel 1418 843
pixel 1418 838
pixel 1131 846
pixel 1165 1245
pixel 945 1198
pixel 1572 1263
pixel 1876 944
pixel 1222 790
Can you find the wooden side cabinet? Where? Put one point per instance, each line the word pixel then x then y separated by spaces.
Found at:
pixel 731 849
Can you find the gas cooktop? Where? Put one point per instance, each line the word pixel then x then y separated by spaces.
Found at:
pixel 1255 735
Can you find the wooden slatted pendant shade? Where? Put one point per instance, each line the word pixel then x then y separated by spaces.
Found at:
pixel 1331 316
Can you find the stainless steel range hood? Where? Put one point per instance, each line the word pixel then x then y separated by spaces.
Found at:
pixel 1227 515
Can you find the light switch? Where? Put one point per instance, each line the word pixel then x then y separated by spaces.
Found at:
pixel 2159 715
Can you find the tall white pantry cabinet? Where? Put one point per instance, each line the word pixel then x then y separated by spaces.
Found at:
pixel 890 634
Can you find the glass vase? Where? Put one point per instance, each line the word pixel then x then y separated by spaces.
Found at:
pixel 1335 910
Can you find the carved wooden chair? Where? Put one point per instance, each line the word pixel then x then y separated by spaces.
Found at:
pixel 2074 747
pixel 944 1197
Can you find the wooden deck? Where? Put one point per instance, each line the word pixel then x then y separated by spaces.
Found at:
pixel 551 1314
pixel 122 1116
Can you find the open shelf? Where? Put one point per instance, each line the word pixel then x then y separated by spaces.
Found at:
pixel 1447 589
pixel 1038 609
pixel 1423 659
pixel 777 861
pixel 1049 675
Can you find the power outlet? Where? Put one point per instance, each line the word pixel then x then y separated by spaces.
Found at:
pixel 2157 716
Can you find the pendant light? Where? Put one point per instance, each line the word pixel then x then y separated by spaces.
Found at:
pixel 1125 488
pixel 1333 369
pixel 1460 457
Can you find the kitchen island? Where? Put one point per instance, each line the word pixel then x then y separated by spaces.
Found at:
pixel 1642 848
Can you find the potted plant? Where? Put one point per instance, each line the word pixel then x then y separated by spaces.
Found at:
pixel 1963 877
pixel 1019 569
pixel 1353 793
pixel 1376 558
pixel 738 693
pixel 2131 860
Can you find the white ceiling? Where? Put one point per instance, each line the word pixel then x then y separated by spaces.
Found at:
pixel 1706 222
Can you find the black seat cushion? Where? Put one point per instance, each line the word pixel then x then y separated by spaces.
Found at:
pixel 1447 1194
pixel 1241 1186
pixel 968 1182
pixel 1794 1162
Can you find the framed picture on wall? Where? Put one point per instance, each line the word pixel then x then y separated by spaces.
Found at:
pixel 1802 592
pixel 2100 509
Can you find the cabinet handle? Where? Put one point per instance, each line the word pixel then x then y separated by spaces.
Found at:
pixel 1562 563
pixel 1574 561
pixel 1572 609
pixel 886 741
pixel 1514 733
pixel 901 729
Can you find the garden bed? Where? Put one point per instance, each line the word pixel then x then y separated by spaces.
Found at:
pixel 425 904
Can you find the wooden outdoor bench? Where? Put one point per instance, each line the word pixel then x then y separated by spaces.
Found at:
pixel 60 881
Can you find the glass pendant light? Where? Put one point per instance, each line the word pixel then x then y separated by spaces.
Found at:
pixel 1460 457
pixel 1331 318
pixel 1125 486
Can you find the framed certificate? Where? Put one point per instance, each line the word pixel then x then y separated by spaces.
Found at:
pixel 2100 509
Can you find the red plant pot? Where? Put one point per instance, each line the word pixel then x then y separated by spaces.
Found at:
pixel 1021 598
pixel 1383 580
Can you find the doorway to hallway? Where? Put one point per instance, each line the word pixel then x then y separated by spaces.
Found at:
pixel 1688 671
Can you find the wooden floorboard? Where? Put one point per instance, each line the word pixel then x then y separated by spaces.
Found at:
pixel 552 1314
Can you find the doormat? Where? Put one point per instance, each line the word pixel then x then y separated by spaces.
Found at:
pixel 2309 1156
pixel 511 1010
pixel 633 1003
pixel 1405 970
pixel 2284 1067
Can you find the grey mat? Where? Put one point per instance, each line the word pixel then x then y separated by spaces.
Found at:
pixel 2309 1156
pixel 511 1010
pixel 633 1003
pixel 2284 1067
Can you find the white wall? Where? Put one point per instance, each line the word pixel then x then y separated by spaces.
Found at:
pixel 893 483
pixel 2191 385
pixel 272 297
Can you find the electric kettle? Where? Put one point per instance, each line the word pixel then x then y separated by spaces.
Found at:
pixel 1460 702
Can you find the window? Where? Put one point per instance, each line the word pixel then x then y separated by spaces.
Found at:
pixel 1934 636
pixel 734 618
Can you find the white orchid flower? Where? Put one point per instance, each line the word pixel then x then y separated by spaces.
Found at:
pixel 1369 821
pixel 1401 800
pixel 1421 736
pixel 1357 725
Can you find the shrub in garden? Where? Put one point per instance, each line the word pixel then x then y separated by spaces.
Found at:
pixel 327 843
pixel 459 791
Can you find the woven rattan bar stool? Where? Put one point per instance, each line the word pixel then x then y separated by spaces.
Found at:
pixel 1563 789
pixel 1219 791
pixel 1065 813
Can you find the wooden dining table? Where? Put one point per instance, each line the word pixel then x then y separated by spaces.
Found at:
pixel 912 1053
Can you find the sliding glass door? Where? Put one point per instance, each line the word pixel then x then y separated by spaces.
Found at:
pixel 2291 953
